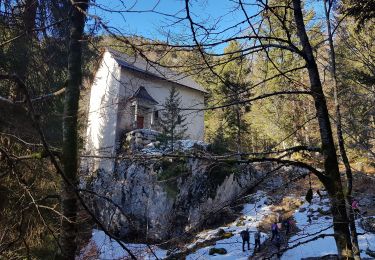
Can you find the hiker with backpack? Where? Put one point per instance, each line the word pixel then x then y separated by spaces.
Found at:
pixel 245 235
pixel 275 230
pixel 356 209
pixel 355 206
pixel 257 240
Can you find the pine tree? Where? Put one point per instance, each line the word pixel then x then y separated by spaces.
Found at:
pixel 233 90
pixel 172 121
pixel 219 144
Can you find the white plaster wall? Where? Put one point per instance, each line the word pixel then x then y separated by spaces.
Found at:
pixel 102 117
pixel 159 90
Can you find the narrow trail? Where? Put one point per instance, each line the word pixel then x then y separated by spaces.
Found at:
pixel 269 250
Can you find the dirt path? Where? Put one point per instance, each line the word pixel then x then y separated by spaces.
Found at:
pixel 269 249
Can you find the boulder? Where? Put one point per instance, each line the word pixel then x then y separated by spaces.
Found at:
pixel 146 142
pixel 220 251
pixel 368 224
pixel 220 232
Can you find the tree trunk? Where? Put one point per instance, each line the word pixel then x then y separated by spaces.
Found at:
pixel 70 153
pixel 23 45
pixel 333 185
pixel 340 138
pixel 239 143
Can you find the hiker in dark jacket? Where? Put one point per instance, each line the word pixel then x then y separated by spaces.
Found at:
pixel 286 225
pixel 278 244
pixel 245 235
pixel 257 241
pixel 275 230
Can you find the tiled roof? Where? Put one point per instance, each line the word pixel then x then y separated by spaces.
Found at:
pixel 137 63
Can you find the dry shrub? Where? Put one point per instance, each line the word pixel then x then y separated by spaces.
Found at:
pixel 90 252
pixel 284 210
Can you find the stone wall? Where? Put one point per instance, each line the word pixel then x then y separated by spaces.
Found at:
pixel 140 138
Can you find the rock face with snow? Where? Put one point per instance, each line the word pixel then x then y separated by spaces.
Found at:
pixel 159 198
pixel 368 224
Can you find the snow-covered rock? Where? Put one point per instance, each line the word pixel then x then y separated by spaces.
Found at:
pixel 103 247
pixel 368 224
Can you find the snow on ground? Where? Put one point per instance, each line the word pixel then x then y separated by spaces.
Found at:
pixel 188 144
pixel 366 241
pixel 179 145
pixel 319 225
pixel 109 249
pixel 252 215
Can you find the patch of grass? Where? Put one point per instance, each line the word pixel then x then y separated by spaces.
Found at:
pixel 285 208
pixel 227 235
pixel 240 223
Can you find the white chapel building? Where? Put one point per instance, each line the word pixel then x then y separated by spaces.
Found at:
pixel 128 93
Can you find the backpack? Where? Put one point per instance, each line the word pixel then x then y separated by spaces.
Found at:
pixel 355 204
pixel 286 223
pixel 245 235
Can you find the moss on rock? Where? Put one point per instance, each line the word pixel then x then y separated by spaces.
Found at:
pixel 172 168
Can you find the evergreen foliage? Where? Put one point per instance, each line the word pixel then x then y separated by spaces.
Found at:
pixel 231 89
pixel 34 45
pixel 362 11
pixel 172 121
pixel 219 144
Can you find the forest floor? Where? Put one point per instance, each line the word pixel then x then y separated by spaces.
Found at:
pixel 310 236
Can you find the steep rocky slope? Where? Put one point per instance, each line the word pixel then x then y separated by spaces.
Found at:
pixel 158 198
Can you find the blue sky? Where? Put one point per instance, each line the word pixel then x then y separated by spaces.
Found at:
pixel 154 26
pixel 140 22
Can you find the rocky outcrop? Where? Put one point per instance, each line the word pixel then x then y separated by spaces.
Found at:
pixel 160 198
pixel 368 224
pixel 140 138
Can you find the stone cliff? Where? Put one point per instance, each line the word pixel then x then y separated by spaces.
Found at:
pixel 157 197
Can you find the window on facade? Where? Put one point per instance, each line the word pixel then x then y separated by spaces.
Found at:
pixel 156 114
